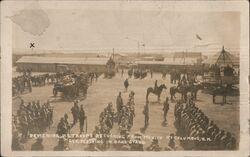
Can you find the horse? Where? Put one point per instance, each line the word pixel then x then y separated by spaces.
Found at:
pixel 183 90
pixel 156 91
pixel 223 91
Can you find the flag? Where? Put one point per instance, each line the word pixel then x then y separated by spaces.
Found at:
pixel 198 37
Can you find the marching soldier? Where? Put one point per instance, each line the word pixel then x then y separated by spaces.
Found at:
pixel 165 110
pixel 66 123
pixel 75 113
pixel 146 115
pixel 119 102
pixel 82 117
pixel 61 128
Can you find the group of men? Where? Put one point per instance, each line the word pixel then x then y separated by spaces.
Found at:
pixel 32 118
pixel 19 84
pixel 125 112
pixel 190 121
pixel 145 112
pixel 78 114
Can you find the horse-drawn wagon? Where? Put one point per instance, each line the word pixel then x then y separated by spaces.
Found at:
pixel 72 86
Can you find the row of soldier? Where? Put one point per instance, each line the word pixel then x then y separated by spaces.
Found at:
pixel 190 121
pixel 32 118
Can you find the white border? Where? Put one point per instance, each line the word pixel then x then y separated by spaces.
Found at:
pixel 6 98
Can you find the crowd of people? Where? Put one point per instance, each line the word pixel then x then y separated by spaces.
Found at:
pixel 32 118
pixel 190 121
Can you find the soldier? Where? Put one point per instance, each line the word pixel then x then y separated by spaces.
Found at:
pixel 165 109
pixel 60 146
pixel 16 145
pixel 38 146
pixel 171 143
pixel 126 84
pixel 66 123
pixel 75 113
pixel 156 85
pixel 24 126
pixel 146 115
pixel 154 145
pixel 122 72
pixel 119 102
pixel 82 117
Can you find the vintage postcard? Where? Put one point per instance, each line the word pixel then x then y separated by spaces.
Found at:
pixel 124 78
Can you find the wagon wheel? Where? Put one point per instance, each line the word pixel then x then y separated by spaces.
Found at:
pixel 54 92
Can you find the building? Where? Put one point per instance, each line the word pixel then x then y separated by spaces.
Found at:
pixel 56 64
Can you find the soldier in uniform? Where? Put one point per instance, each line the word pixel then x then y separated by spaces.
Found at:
pixel 126 84
pixel 75 113
pixel 165 109
pixel 16 145
pixel 82 117
pixel 154 145
pixel 146 115
pixel 66 123
pixel 60 146
pixel 156 85
pixel 61 128
pixel 122 72
pixel 38 146
pixel 119 102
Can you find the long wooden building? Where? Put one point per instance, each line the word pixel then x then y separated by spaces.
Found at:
pixel 57 64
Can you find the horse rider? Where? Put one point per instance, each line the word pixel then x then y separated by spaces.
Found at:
pixel 82 118
pixel 165 109
pixel 156 85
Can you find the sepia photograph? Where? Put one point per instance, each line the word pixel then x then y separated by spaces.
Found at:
pixel 130 76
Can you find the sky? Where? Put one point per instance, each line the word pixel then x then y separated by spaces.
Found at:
pixel 104 28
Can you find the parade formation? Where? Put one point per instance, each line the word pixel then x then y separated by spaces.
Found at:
pixel 128 113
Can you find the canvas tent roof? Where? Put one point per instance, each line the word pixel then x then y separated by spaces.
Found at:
pixel 223 58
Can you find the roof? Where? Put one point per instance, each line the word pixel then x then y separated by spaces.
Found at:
pixel 223 58
pixel 169 61
pixel 63 60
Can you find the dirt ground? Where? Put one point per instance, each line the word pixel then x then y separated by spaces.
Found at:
pixel 106 90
